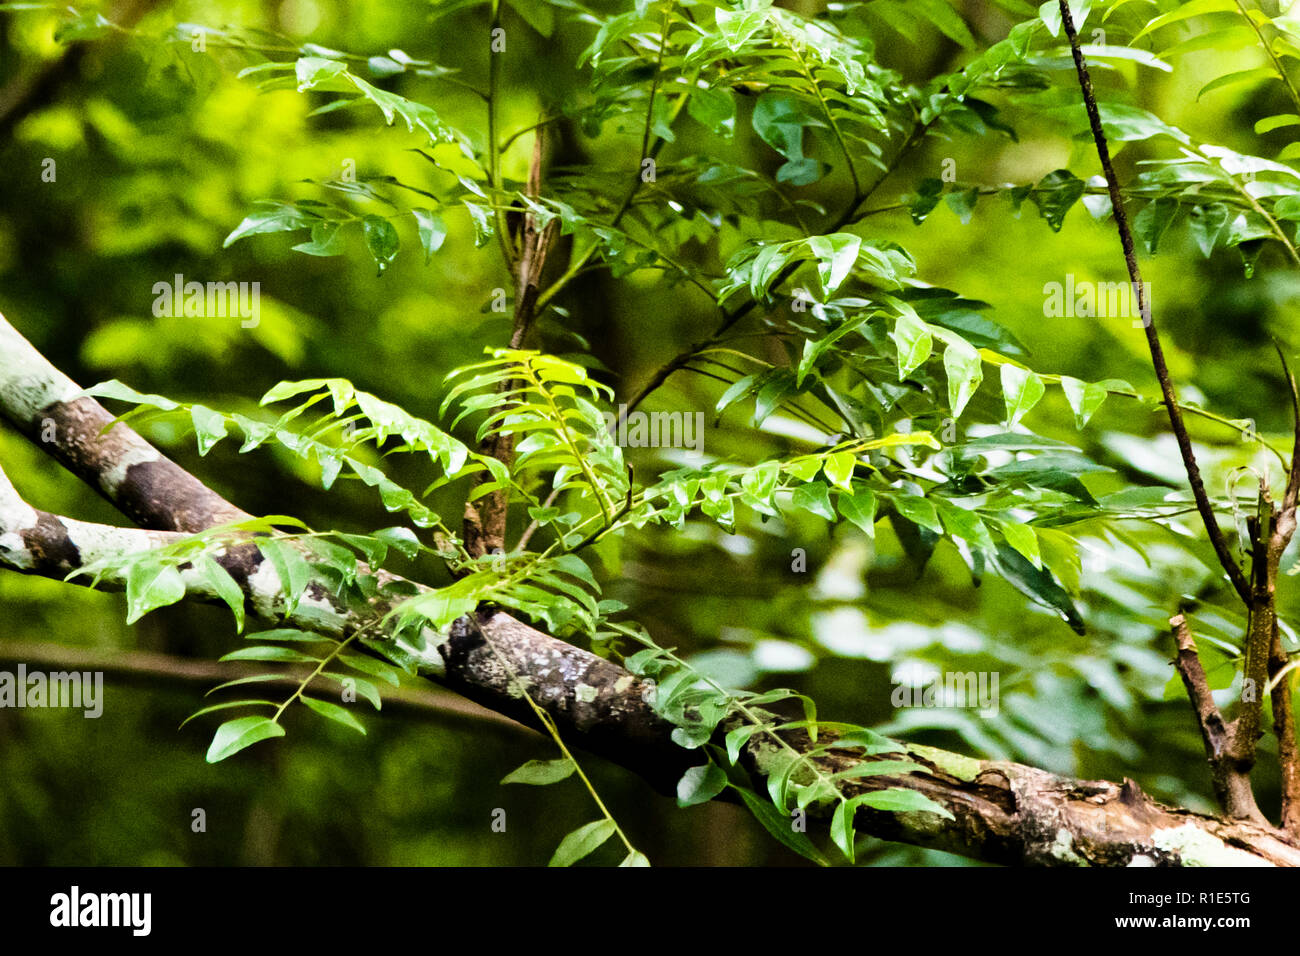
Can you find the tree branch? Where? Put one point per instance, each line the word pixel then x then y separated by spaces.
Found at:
pixel 1231 782
pixel 485 518
pixel 1203 505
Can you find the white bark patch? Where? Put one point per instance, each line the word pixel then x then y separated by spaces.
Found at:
pixel 585 693
pixel 1063 849
pixel 16 514
pixel 29 383
pixel 14 553
pixel 1195 847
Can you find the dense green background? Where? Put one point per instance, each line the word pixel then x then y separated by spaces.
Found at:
pixel 161 151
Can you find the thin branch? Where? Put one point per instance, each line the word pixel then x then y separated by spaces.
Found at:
pixel 1231 784
pixel 1203 505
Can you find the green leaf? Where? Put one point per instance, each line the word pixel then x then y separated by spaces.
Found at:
pixel 1023 539
pixel 736 739
pixel 965 370
pixel 286 655
pixel 219 579
pixel 374 668
pixel 838 468
pixel 1193 8
pixel 290 566
pixel 227 705
pixel 400 539
pixel 919 511
pixel 836 256
pixel 814 497
pixel 912 336
pixel 1084 398
pixel 1255 75
pixel 715 109
pixel 898 800
pixel 382 240
pixel 581 842
pixel 541 773
pixel 780 826
pixel 700 784
pixel 965 524
pixel 363 687
pixel 860 508
pixel 538 14
pixel 1270 123
pixel 288 634
pixel 1055 194
pixel 115 389
pixel 779 120
pixel 842 829
pixel 209 427
pixel 1022 390
pixel 1154 221
pixel 635 858
pixel 433 232
pixel 877 768
pixel 270 217
pixel 234 735
pixel 326 240
pixel 1038 585
pixel 335 712
pixel 1207 224
pixel 962 203
pixel 946 19
pixel 481 217
pixel 150 585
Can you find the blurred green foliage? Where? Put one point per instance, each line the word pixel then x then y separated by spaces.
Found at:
pixel 161 151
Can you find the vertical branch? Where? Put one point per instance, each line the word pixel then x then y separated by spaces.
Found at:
pixel 1230 781
pixel 1280 677
pixel 1284 729
pixel 485 518
pixel 1262 623
pixel 1203 505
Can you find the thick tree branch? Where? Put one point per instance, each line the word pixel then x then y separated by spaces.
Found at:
pixel 146 486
